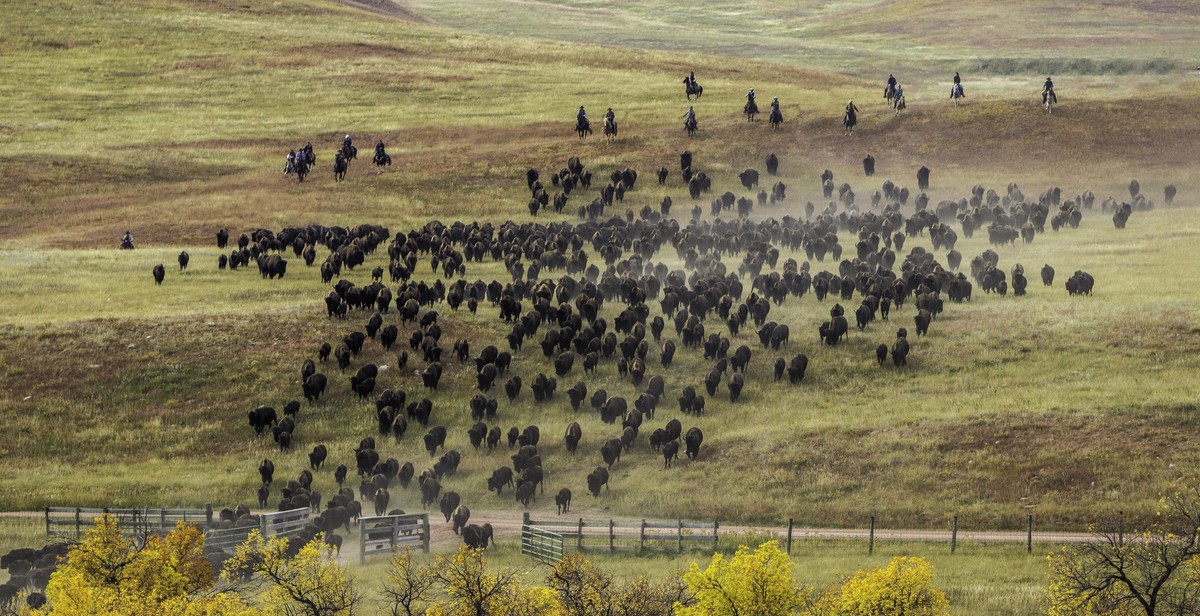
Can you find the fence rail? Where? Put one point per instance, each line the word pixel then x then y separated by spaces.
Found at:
pixel 73 522
pixel 384 534
pixel 595 534
pixel 277 524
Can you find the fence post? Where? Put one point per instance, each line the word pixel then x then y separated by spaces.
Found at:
pixel 362 543
pixel 789 536
pixel 162 518
pixel 680 536
pixel 78 521
pixel 425 538
pixel 716 525
pixel 642 537
pixel 525 518
pixel 1029 534
pixel 954 535
pixel 47 521
pixel 579 537
pixel 611 538
pixel 871 538
pixel 208 514
pixel 1121 529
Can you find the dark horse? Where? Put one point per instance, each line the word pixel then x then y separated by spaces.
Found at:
pixel 610 129
pixel 690 126
pixel 776 118
pixel 301 164
pixel 349 152
pixel 583 127
pixel 751 110
pixel 691 90
pixel 340 164
pixel 382 158
pixel 849 120
pixel 889 93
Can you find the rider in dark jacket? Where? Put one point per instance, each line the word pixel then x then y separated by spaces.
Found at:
pixel 347 143
pixel 1048 90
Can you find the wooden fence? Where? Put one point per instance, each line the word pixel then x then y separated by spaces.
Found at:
pixel 74 522
pixel 599 535
pixel 384 534
pixel 277 524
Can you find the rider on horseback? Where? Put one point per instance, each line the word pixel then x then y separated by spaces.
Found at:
pixel 775 105
pixel 1048 91
pixel 379 148
pixel 851 110
pixel 610 119
pixel 689 117
pixel 290 165
pixel 898 97
pixel 957 87
pixel 692 79
pixel 127 241
pixel 750 95
pixel 347 144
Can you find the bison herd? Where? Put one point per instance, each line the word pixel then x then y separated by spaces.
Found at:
pixel 597 296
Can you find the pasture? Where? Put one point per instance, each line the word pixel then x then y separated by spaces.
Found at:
pixel 172 121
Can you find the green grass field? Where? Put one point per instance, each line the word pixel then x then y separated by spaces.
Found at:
pixel 172 120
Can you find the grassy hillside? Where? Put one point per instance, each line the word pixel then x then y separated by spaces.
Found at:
pixel 185 134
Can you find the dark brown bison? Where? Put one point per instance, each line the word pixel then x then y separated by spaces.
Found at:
pixel 574 433
pixel 670 452
pixel 562 501
pixel 597 478
pixel 160 273
pixel 692 441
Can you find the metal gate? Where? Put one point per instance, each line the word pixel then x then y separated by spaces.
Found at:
pixel 543 545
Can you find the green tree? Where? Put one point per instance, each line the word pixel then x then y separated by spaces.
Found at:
pixel 311 583
pixel 108 574
pixel 757 583
pixel 1152 571
pixel 903 588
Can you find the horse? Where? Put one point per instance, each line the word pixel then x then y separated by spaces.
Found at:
pixel 583 127
pixel 382 158
pixel 610 129
pixel 1049 100
pixel 776 118
pixel 849 120
pixel 751 110
pixel 690 126
pixel 900 105
pixel 691 90
pixel 340 165
pixel 349 152
pixel 301 164
pixel 889 93
pixel 956 92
